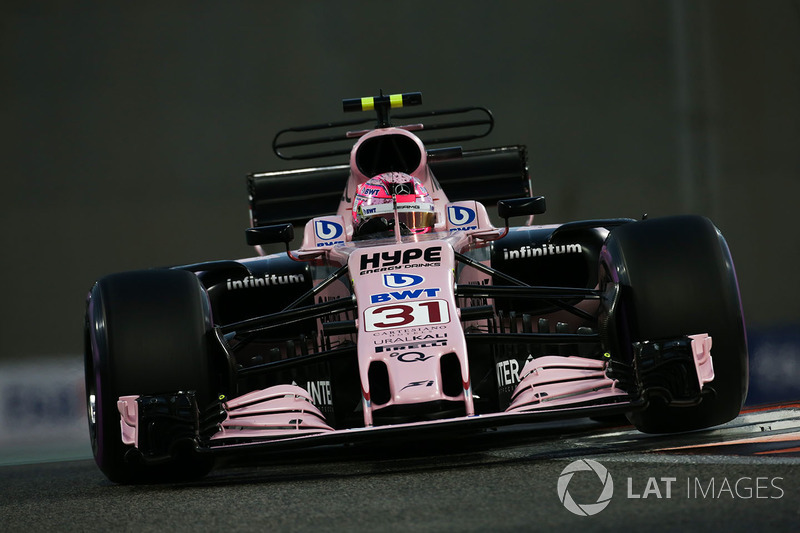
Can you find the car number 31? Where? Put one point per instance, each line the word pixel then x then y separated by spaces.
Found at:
pixel 406 315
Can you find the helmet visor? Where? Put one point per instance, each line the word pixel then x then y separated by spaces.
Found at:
pixel 414 216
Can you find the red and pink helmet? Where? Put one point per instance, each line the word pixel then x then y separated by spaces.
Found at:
pixel 415 209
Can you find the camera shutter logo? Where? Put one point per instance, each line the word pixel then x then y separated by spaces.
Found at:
pixel 585 509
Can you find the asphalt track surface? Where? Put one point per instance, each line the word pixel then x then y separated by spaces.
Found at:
pixel 744 476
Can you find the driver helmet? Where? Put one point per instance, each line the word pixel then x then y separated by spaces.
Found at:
pixel 415 208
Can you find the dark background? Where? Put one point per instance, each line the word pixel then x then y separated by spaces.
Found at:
pixel 128 127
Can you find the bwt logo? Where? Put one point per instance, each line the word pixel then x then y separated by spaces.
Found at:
pixel 401 281
pixel 403 295
pixel 460 216
pixel 327 230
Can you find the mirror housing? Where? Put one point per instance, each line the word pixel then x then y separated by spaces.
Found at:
pixel 270 234
pixel 517 207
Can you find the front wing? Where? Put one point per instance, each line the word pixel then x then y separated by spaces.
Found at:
pixel 284 417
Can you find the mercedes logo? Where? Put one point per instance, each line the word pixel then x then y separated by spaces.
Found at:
pixel 403 188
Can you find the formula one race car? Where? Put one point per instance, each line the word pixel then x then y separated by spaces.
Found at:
pixel 406 312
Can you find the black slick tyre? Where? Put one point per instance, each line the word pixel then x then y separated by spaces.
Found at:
pixel 676 277
pixel 146 333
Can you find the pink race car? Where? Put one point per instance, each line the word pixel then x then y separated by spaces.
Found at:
pixel 405 311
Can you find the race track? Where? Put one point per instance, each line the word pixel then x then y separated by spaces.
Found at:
pixel 743 476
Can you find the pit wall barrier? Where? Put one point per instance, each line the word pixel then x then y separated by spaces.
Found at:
pixel 43 410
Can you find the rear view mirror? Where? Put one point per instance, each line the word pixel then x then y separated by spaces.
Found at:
pixel 518 207
pixel 270 234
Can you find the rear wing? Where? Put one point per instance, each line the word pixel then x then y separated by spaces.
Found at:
pixel 336 138
pixel 295 196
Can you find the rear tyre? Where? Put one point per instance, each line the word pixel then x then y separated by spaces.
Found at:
pixel 676 277
pixel 146 333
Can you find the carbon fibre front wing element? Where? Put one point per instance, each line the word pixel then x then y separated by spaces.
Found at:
pixel 284 417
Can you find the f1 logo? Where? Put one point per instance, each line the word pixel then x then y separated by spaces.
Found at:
pixel 460 216
pixel 401 281
pixel 327 230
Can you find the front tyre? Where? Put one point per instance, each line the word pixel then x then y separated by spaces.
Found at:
pixel 146 333
pixel 676 277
